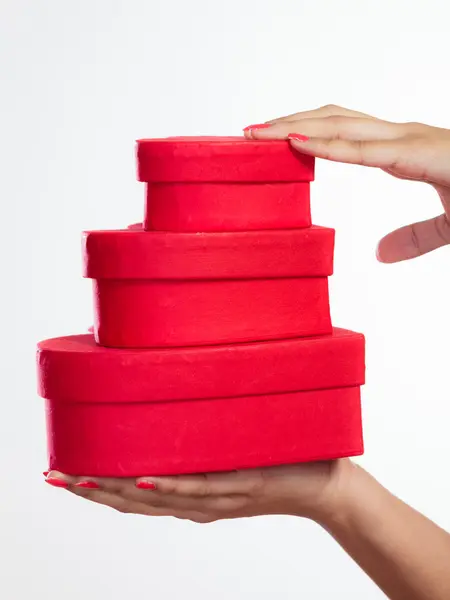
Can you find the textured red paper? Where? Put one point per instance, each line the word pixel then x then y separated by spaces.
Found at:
pixel 75 369
pixel 136 254
pixel 221 159
pixel 132 313
pixel 193 207
pixel 217 287
pixel 128 440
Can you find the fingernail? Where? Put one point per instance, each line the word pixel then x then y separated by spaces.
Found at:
pixel 298 137
pixel 45 473
pixel 57 482
pixel 145 485
pixel 257 126
pixel 89 485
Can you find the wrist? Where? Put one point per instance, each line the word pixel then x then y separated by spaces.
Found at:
pixel 348 490
pixel 338 494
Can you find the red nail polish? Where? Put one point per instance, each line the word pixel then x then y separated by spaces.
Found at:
pixel 89 485
pixel 45 473
pixel 298 137
pixel 257 126
pixel 145 485
pixel 57 482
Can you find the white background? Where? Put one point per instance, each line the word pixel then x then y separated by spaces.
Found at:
pixel 80 81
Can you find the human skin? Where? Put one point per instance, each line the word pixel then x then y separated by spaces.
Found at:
pixel 405 150
pixel 403 552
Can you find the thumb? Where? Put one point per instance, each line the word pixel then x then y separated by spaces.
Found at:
pixel 414 240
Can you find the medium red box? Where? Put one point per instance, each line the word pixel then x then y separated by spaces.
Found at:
pixel 157 412
pixel 167 290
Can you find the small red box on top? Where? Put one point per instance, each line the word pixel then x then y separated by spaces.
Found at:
pixel 130 412
pixel 224 184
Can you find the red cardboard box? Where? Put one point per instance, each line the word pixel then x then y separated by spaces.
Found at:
pixel 167 290
pixel 154 412
pixel 224 184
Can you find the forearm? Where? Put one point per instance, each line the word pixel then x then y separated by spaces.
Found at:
pixel 402 551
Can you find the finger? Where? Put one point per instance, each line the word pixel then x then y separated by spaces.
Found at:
pixel 414 240
pixel 114 501
pixel 330 110
pixel 89 485
pixel 118 486
pixel 197 514
pixel 343 128
pixel 93 492
pixel 187 500
pixel 383 154
pixel 124 505
pixel 211 484
pixel 121 494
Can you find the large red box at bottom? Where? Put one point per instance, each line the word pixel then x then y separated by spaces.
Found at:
pixel 131 412
pixel 135 439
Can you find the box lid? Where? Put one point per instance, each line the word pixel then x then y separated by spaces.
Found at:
pixel 225 159
pixel 137 254
pixel 76 369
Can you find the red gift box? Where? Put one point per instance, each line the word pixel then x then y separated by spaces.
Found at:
pixel 134 412
pixel 167 290
pixel 224 184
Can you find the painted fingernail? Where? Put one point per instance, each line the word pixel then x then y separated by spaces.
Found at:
pixel 257 126
pixel 298 137
pixel 45 473
pixel 89 485
pixel 145 485
pixel 57 482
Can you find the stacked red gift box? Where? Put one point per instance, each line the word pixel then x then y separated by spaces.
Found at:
pixel 213 347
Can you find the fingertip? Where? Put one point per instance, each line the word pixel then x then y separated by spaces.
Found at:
pixel 257 126
pixel 145 484
pixel 87 484
pixel 389 251
pixel 58 479
pixel 56 482
pixel 297 137
pixel 303 146
pixel 259 131
pixel 380 254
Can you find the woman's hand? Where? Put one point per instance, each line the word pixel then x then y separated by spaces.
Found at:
pixel 311 490
pixel 406 150
pixel 406 555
